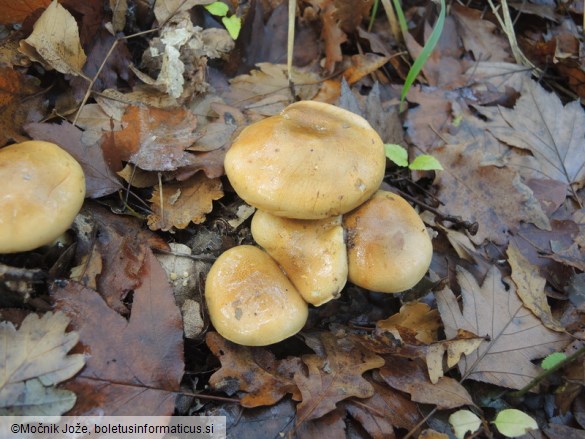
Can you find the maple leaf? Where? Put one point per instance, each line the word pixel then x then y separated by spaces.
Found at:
pixel 32 360
pixel 136 365
pixel 516 336
pixel 252 370
pixel 553 133
pixel 333 376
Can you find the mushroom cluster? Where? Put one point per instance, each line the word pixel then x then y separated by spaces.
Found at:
pixel 313 174
pixel 43 188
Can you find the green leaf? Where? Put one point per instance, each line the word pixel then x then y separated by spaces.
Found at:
pixel 425 163
pixel 424 54
pixel 396 154
pixel 233 25
pixel 514 423
pixel 218 9
pixel 552 360
pixel 463 421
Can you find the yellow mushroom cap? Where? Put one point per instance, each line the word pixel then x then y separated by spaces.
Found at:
pixel 250 300
pixel 311 252
pixel 43 188
pixel 312 161
pixel 389 248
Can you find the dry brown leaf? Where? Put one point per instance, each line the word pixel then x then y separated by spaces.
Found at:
pixel 454 349
pixel 411 376
pixel 415 323
pixel 553 133
pixel 516 335
pixel 386 409
pixel 265 91
pixel 18 105
pixel 183 202
pixel 335 376
pixel 165 9
pixel 530 287
pixel 153 139
pixel 55 41
pixel 33 359
pixel 479 35
pixel 16 11
pixel 252 370
pixel 136 363
pixel 493 197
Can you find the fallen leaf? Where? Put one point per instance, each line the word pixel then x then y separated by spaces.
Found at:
pixel 573 256
pixel 55 41
pixel 516 335
pixel 329 426
pixel 136 365
pixel 385 410
pixel 530 288
pixel 33 359
pixel 153 139
pixel 183 202
pixel 333 377
pixel 16 11
pixel 411 376
pixel 464 421
pixel 480 36
pixel 252 370
pixel 551 131
pixel 99 179
pixel 454 348
pixel 18 104
pixel 165 9
pixel 417 319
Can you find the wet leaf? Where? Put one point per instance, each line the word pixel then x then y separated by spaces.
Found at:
pixel 333 377
pixel 516 335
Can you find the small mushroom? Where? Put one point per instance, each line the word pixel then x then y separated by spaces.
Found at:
pixel 250 300
pixel 311 252
pixel 43 188
pixel 312 161
pixel 389 248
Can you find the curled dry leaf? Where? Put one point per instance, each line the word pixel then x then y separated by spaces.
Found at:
pixel 415 323
pixel 55 42
pixel 183 202
pixel 334 376
pixel 252 370
pixel 33 359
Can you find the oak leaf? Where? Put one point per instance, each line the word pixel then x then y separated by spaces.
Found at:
pixel 252 370
pixel 33 359
pixel 183 202
pixel 516 336
pixel 333 376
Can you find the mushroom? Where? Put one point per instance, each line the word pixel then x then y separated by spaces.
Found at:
pixel 312 161
pixel 43 188
pixel 311 252
pixel 389 248
pixel 250 300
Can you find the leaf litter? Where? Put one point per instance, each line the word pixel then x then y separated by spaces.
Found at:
pixel 508 169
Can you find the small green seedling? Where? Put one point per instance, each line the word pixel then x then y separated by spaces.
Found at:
pixel 399 155
pixel 233 24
